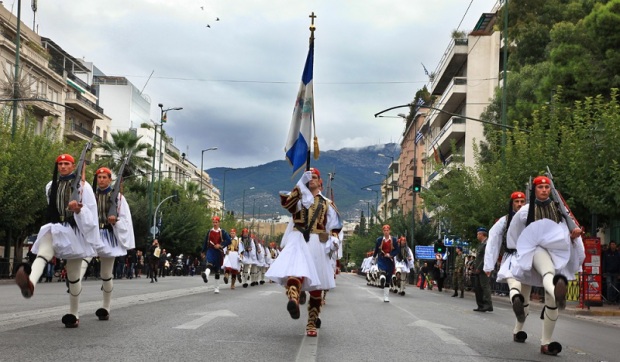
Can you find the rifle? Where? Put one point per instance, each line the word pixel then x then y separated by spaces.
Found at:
pixel 116 190
pixel 527 190
pixel 80 173
pixel 571 221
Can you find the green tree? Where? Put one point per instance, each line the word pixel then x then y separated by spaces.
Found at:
pixel 117 150
pixel 27 164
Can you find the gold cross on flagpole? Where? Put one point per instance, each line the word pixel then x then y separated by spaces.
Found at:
pixel 312 27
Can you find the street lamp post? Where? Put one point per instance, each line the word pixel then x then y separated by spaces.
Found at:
pixel 257 223
pixel 391 181
pixel 384 194
pixel 163 120
pixel 202 157
pixel 151 186
pixel 415 174
pixel 243 206
pixel 376 198
pixel 155 215
pixel 224 188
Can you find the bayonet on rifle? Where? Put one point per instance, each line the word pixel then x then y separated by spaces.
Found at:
pixel 561 204
pixel 116 190
pixel 80 173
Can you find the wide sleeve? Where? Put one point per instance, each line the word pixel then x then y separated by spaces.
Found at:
pixel 123 229
pixel 494 244
pixel 86 220
pixel 516 227
pixel 226 240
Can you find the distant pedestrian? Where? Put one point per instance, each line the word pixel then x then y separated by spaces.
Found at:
pixel 482 287
pixel 611 270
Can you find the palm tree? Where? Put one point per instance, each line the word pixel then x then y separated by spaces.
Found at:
pixel 192 191
pixel 124 142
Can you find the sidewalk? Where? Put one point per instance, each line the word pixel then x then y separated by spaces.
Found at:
pixel 573 308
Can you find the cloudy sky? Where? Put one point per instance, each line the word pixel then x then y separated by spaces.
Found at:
pixel 237 77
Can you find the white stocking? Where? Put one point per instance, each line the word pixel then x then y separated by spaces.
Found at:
pixel 107 264
pixel 525 291
pixel 74 270
pixel 84 267
pixel 403 281
pixel 246 273
pixel 544 266
pixel 46 250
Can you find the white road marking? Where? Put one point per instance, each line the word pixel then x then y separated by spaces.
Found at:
pixel 439 331
pixel 206 318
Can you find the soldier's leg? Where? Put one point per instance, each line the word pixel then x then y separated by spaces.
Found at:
pixel 27 276
pixel 544 266
pixel 107 285
pixel 246 274
pixel 486 291
pixel 254 275
pixel 74 271
pixel 314 308
pixel 293 288
pixel 404 277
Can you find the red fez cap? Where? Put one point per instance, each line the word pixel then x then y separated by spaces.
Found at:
pixel 517 195
pixel 65 157
pixel 315 171
pixel 245 230
pixel 541 180
pixel 233 230
pixel 104 170
pixel 386 227
pixel 215 218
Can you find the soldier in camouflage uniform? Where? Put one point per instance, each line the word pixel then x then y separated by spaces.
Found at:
pixel 459 270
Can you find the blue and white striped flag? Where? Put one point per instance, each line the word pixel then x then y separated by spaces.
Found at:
pixel 300 134
pixel 418 137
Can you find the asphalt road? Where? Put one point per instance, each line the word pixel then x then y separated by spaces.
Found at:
pixel 180 318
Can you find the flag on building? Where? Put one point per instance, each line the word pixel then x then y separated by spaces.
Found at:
pixel 441 157
pixel 300 133
pixel 425 70
pixel 418 137
pixel 436 154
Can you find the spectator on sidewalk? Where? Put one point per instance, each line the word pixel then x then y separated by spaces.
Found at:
pixel 611 271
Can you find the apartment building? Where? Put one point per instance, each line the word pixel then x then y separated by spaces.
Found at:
pixel 80 101
pixel 463 85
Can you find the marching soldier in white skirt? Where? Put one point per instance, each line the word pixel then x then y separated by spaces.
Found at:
pixel 116 233
pixel 231 260
pixel 548 254
pixel 403 264
pixel 247 250
pixel 304 263
pixel 260 263
pixel 71 233
pixel 519 292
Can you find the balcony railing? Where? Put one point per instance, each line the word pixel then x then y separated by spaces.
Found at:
pixel 84 101
pixel 446 127
pixel 80 82
pixel 81 130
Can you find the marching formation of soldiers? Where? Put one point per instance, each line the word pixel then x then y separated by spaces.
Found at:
pixel 244 259
pixel 397 262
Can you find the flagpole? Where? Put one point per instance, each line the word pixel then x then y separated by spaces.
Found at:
pixel 310 147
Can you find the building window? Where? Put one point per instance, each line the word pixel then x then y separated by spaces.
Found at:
pixel 105 135
pixel 98 130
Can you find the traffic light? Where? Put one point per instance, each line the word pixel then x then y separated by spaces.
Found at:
pixel 440 248
pixel 175 195
pixel 417 184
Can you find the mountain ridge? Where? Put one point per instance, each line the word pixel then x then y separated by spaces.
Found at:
pixel 352 168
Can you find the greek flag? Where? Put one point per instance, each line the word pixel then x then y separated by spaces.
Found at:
pixel 418 137
pixel 300 133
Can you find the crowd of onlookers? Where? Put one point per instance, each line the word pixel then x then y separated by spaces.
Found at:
pixel 134 265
